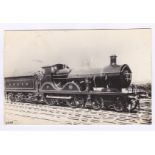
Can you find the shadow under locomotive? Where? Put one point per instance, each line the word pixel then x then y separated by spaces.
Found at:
pixel 91 88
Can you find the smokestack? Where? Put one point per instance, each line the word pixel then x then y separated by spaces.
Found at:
pixel 113 60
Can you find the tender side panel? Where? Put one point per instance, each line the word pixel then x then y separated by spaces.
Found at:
pixel 20 83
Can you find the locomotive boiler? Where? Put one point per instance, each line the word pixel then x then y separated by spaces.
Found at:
pixel 98 88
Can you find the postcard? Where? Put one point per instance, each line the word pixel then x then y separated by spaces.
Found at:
pixel 78 77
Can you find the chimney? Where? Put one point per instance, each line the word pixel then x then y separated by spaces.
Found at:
pixel 113 60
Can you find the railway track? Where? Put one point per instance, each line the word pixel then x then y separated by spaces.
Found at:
pixel 28 114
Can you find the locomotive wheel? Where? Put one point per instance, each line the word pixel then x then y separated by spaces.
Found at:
pixel 97 103
pixel 75 102
pixel 133 105
pixel 11 97
pixel 104 106
pixel 118 105
pixel 18 98
pixel 51 101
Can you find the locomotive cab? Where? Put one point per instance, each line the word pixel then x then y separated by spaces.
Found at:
pixel 57 71
pixel 60 70
pixel 56 74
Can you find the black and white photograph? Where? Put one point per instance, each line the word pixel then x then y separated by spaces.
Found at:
pixel 78 77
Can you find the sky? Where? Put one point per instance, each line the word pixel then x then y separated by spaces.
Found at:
pixel 25 52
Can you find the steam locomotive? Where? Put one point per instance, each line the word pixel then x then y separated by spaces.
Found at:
pixel 99 88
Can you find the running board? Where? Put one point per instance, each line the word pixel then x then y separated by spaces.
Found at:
pixel 59 97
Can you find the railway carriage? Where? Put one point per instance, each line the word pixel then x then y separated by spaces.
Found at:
pixel 99 88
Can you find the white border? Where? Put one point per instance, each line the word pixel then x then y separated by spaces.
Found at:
pixel 73 26
pixel 47 26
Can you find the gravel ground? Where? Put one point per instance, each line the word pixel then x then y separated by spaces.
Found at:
pixel 38 114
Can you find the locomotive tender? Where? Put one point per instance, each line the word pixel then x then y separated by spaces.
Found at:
pixel 59 85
